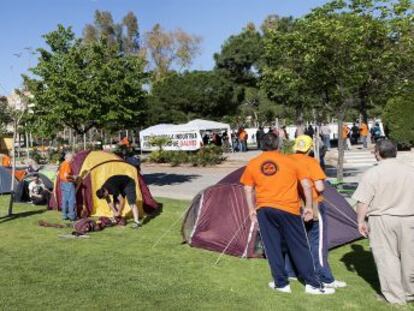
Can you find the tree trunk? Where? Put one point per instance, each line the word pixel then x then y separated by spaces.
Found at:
pixel 75 141
pixel 27 145
pixel 84 141
pixel 341 149
pixel 316 145
pixel 363 105
pixel 13 181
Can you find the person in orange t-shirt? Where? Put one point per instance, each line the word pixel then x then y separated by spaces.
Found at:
pixel 67 188
pixel 346 136
pixel 242 136
pixel 317 228
pixel 274 178
pixel 5 160
pixel 124 142
pixel 363 130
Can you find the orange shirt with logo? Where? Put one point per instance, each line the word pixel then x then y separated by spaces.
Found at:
pixel 363 129
pixel 314 170
pixel 275 178
pixel 64 170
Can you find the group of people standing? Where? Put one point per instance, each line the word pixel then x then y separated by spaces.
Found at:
pixel 361 132
pixel 285 195
pixel 275 185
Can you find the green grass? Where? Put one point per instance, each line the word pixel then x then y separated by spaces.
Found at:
pixel 119 269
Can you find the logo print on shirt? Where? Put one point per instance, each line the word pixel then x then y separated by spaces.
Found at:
pixel 269 168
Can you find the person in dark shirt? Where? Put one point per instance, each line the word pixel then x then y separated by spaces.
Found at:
pixel 259 137
pixel 310 131
pixel 120 187
pixel 354 134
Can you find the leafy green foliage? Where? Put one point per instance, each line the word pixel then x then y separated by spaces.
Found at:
pixel 343 55
pixel 159 141
pixel 398 118
pixel 84 86
pixel 239 59
pixel 182 97
pixel 5 114
pixel 206 156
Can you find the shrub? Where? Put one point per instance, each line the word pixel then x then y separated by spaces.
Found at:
pixel 159 141
pixel 209 155
pixel 398 118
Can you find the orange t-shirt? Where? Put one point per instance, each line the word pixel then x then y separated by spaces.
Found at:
pixel 363 129
pixel 124 141
pixel 314 170
pixel 275 178
pixel 345 131
pixel 64 170
pixel 6 161
pixel 243 135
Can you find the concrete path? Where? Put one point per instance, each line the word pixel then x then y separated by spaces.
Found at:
pixel 185 182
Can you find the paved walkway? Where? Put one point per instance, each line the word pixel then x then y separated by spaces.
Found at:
pixel 185 182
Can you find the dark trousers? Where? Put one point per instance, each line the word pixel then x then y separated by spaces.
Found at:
pixel 277 228
pixel 317 232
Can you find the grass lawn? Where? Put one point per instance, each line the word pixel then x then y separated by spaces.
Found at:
pixel 119 269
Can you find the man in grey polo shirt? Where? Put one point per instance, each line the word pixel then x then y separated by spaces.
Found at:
pixel 385 194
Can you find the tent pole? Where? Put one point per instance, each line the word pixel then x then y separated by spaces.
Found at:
pixel 231 241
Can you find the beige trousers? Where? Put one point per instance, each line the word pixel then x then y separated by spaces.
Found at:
pixel 392 242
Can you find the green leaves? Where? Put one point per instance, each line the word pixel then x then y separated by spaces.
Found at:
pixel 84 86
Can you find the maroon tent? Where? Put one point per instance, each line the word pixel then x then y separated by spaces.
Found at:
pixel 218 220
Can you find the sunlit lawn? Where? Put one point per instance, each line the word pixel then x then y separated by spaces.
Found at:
pixel 120 269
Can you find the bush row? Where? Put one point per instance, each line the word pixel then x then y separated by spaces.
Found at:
pixel 206 156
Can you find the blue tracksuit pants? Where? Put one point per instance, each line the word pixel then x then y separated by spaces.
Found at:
pixel 278 227
pixel 318 240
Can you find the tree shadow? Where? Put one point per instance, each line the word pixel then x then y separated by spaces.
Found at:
pixel 163 179
pixel 21 215
pixel 332 170
pixel 362 262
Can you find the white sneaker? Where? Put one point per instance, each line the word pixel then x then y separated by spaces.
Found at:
pixel 335 284
pixel 309 289
pixel 285 289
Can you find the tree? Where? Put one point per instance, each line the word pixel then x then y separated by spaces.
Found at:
pixel 398 118
pixel 166 49
pixel 181 97
pixel 124 35
pixel 84 86
pixel 5 115
pixel 334 53
pixel 239 58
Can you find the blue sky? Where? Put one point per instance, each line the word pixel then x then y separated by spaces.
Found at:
pixel 23 22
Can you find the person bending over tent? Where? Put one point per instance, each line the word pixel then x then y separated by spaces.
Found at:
pixel 317 227
pixel 120 187
pixel 274 178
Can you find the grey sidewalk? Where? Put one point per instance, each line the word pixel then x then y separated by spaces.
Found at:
pixel 185 182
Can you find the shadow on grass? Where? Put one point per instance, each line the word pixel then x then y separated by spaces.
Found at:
pixel 162 179
pixel 362 262
pixel 4 219
pixel 153 215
